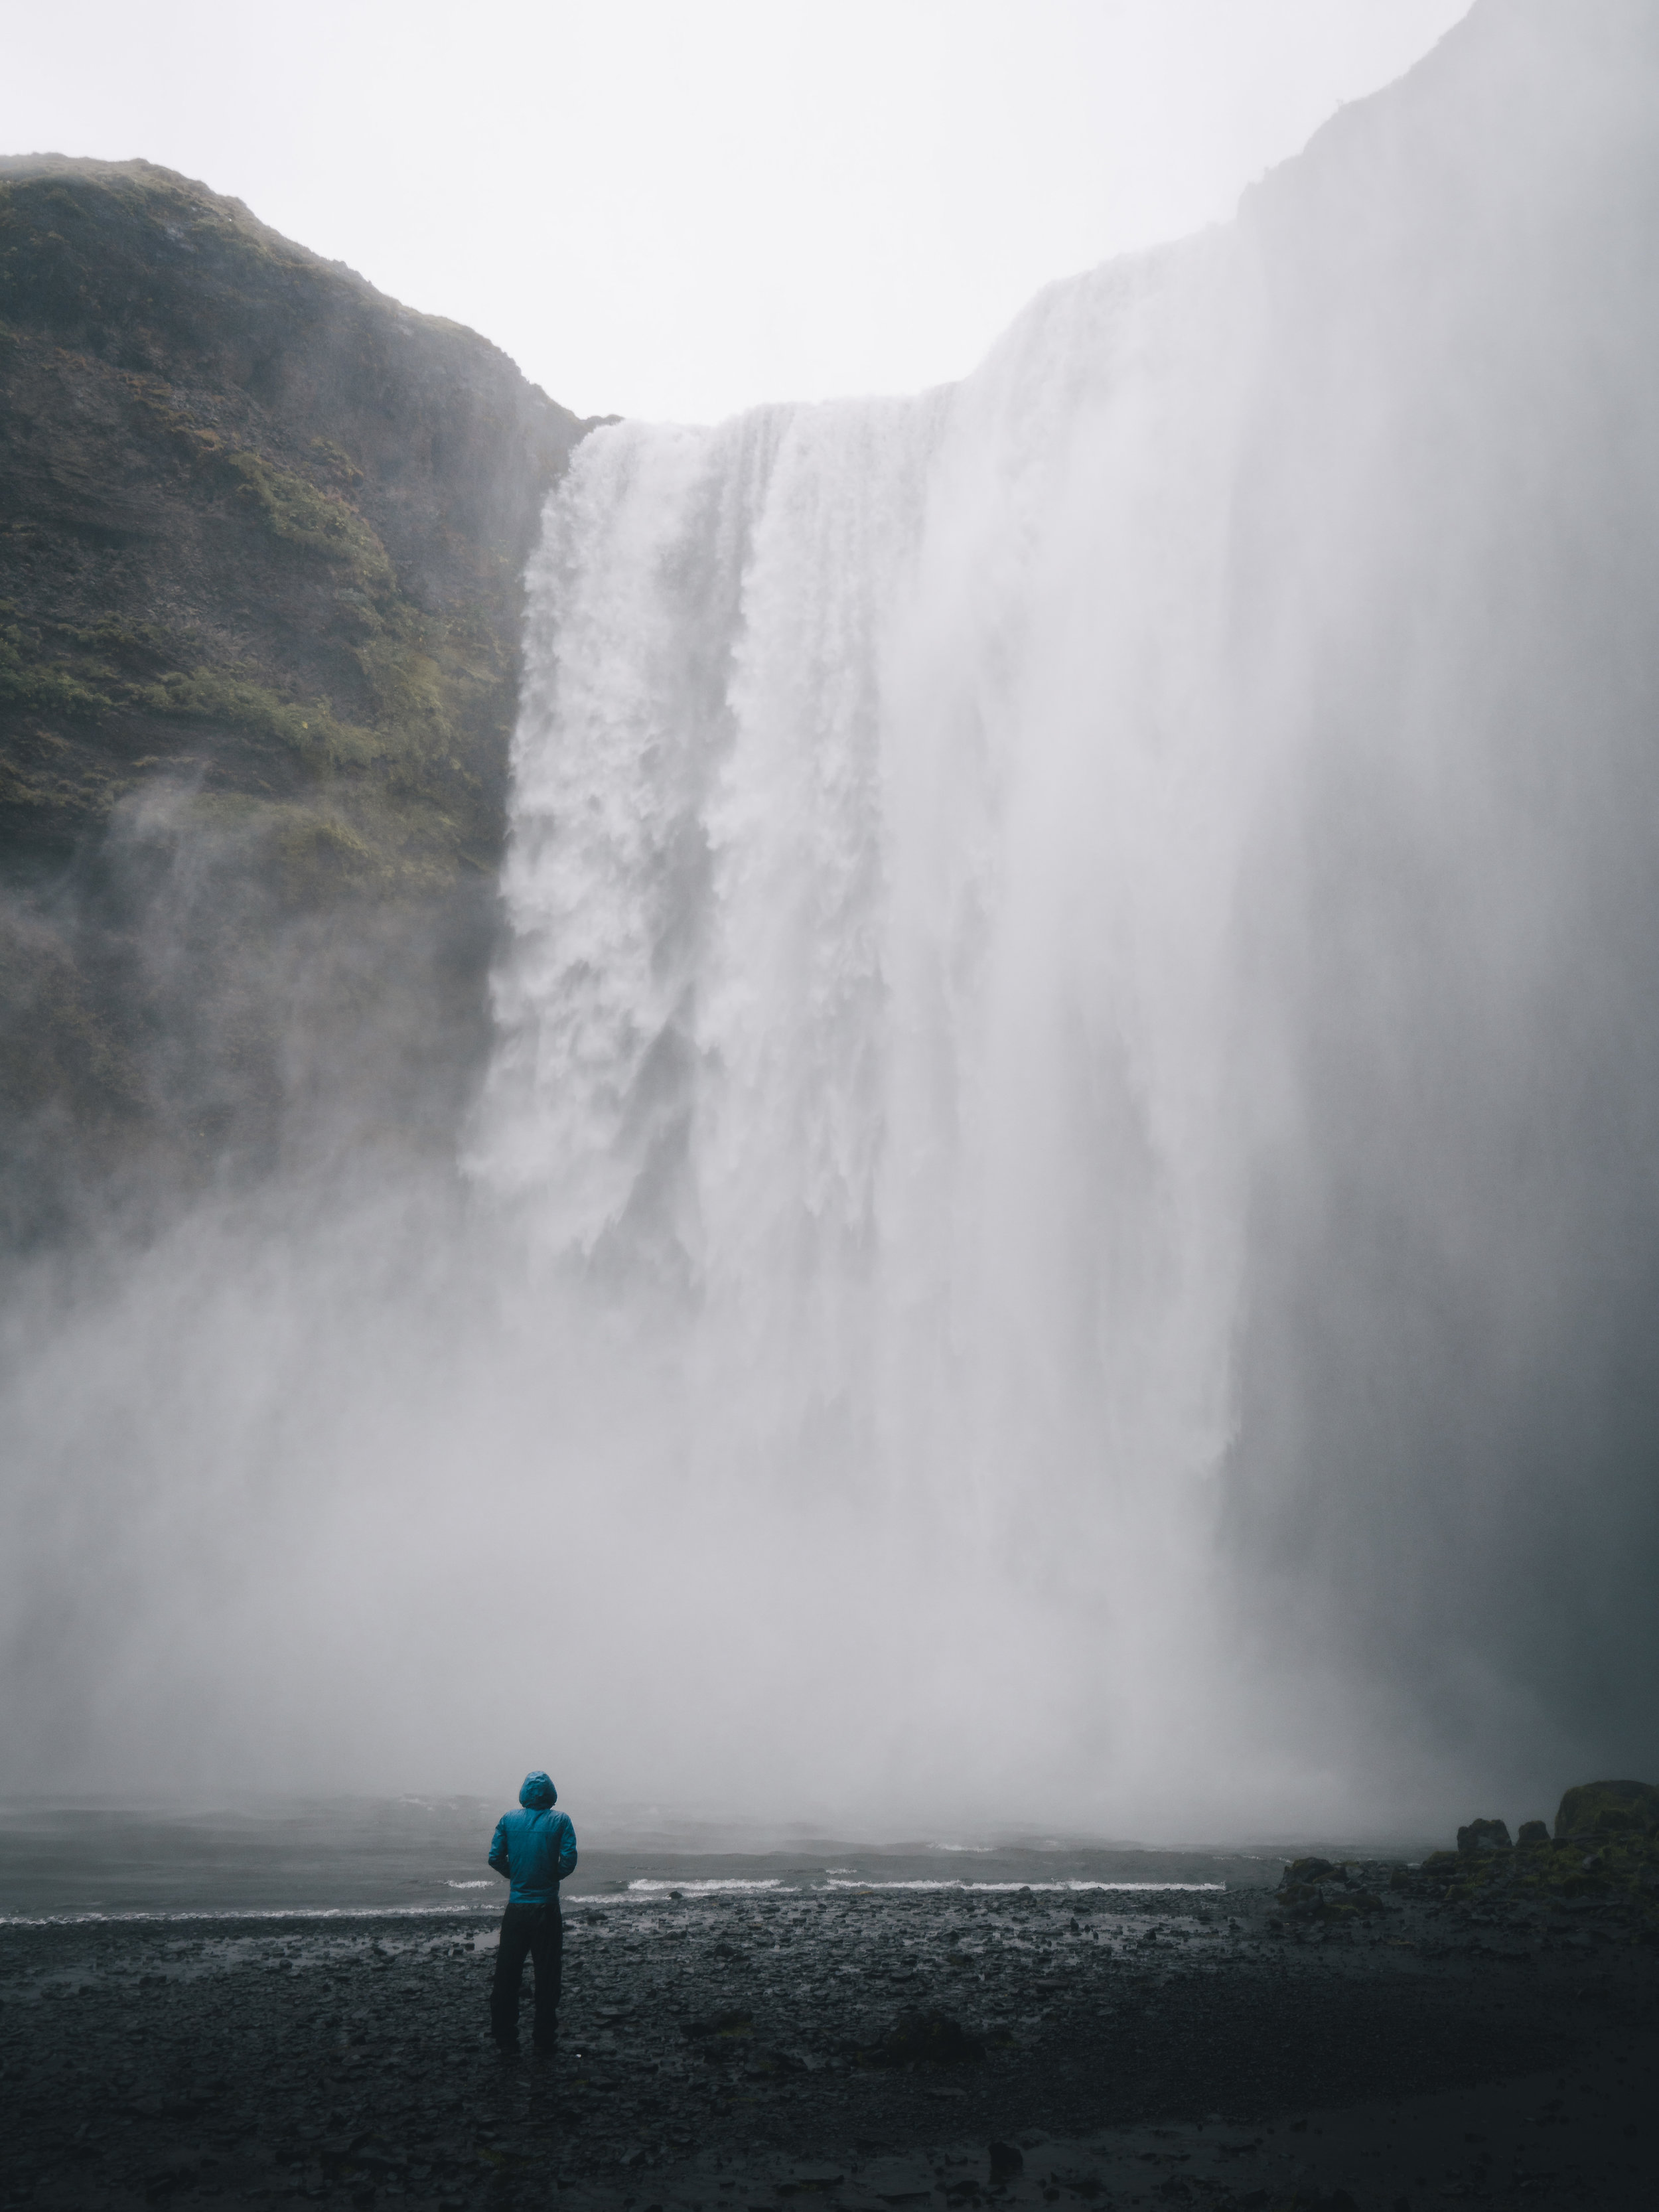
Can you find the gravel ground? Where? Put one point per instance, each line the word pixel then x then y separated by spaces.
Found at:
pixel 864 2048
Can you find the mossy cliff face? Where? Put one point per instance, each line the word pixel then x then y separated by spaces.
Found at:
pixel 261 541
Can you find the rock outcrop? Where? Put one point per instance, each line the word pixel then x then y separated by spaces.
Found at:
pixel 1484 1836
pixel 1608 1809
pixel 262 531
pixel 1603 1857
pixel 1323 1890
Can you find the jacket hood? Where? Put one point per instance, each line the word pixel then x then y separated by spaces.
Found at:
pixel 538 1793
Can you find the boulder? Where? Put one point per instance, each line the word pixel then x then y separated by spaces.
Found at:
pixel 738 2022
pixel 1308 1869
pixel 1484 1836
pixel 933 2039
pixel 1532 1832
pixel 1581 1808
pixel 897 2180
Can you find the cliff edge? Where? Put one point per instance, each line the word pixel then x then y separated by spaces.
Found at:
pixel 262 533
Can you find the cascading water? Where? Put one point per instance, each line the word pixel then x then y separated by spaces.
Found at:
pixel 1063 1229
pixel 961 945
pixel 876 830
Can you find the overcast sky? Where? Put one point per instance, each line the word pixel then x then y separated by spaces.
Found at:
pixel 677 207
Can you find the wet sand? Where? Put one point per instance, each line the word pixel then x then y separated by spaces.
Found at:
pixel 752 2050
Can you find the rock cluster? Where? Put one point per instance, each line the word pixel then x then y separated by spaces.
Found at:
pixel 1320 1889
pixel 1603 1853
pixel 1484 1836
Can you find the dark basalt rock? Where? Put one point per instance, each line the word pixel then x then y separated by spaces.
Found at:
pixel 1604 1808
pixel 1315 1888
pixel 810 2176
pixel 929 2038
pixel 1307 1869
pixel 1603 1856
pixel 1484 1836
pixel 737 2021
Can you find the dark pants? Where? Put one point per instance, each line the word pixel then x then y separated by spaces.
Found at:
pixel 538 1931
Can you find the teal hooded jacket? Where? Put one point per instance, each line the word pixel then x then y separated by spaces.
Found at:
pixel 535 1849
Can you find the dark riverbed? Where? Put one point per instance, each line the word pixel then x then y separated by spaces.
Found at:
pixel 749 2049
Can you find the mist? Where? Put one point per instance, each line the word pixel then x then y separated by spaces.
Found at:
pixel 1056 1230
pixel 597 210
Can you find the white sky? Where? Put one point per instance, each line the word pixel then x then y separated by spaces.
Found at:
pixel 677 207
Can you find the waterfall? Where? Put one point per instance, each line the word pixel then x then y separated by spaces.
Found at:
pixel 1005 888
pixel 1062 1227
pixel 866 1019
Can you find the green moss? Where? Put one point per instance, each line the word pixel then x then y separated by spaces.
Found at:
pixel 48 689
pixel 319 852
pixel 1607 1807
pixel 35 680
pixel 409 689
pixel 1621 1873
pixel 396 714
pixel 335 462
pixel 60 671
pixel 200 442
pixel 56 673
pixel 134 645
pixel 430 697
pixel 362 851
pixel 313 521
pixel 308 729
pixel 349 841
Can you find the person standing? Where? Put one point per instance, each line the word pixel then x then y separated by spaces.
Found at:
pixel 536 1849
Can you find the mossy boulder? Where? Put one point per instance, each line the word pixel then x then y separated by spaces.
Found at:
pixel 1604 1855
pixel 1312 1889
pixel 1605 1808
pixel 1305 1869
pixel 1484 1836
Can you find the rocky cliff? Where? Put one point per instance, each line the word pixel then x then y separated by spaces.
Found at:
pixel 262 531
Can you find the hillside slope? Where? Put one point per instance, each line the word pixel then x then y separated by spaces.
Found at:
pixel 262 531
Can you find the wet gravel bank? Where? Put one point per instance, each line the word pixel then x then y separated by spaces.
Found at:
pixel 865 2049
